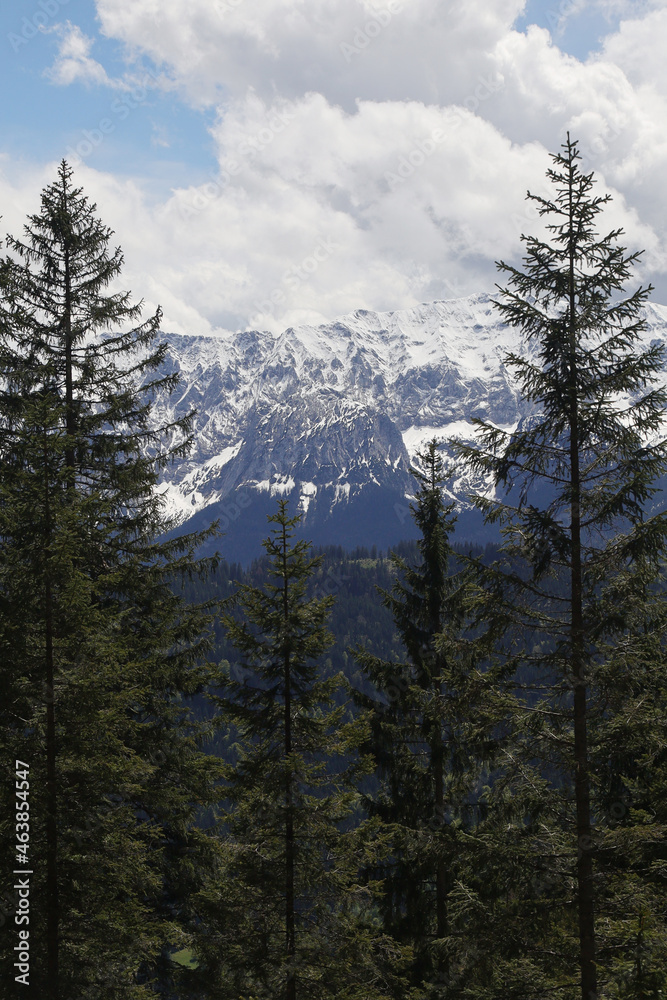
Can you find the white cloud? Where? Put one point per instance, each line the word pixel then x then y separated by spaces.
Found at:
pixel 73 61
pixel 428 50
pixel 377 178
pixel 390 206
pixel 611 10
pixel 316 212
pixel 638 48
pixel 623 8
pixel 20 186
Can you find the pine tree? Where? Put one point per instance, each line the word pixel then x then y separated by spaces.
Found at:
pixel 583 472
pixel 287 914
pixel 98 650
pixel 434 724
pixel 630 764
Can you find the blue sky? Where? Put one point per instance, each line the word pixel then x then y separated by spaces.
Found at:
pixel 224 140
pixel 576 31
pixel 42 121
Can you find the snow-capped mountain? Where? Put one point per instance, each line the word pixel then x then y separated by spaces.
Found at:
pixel 332 416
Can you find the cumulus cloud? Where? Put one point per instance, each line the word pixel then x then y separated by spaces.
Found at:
pixel 428 50
pixel 612 10
pixel 622 8
pixel 370 154
pixel 417 201
pixel 74 61
pixel 314 212
pixel 638 49
pixel 20 185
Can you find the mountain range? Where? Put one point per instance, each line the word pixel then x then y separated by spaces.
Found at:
pixel 332 416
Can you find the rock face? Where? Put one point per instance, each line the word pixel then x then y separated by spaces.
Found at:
pixel 332 417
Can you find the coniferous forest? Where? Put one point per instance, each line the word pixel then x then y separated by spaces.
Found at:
pixel 431 774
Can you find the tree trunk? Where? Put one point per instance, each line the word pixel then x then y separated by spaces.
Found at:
pixel 441 876
pixel 581 776
pixel 441 923
pixel 290 931
pixel 70 418
pixel 52 903
pixel 437 754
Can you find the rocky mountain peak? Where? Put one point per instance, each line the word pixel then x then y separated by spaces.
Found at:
pixel 333 415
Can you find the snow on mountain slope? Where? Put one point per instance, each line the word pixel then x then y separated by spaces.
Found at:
pixel 324 413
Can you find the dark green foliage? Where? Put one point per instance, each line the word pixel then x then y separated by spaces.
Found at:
pixel 583 474
pixel 433 727
pixel 287 915
pixel 511 755
pixel 96 650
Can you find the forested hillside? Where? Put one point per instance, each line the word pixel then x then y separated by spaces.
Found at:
pixel 358 616
pixel 431 774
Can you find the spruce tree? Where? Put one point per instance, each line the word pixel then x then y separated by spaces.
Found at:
pixel 580 479
pixel 434 721
pixel 287 915
pixel 98 650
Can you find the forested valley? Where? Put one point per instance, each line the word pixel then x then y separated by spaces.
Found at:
pixel 436 773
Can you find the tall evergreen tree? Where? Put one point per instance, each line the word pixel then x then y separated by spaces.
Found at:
pixel 289 918
pixel 432 736
pixel 97 649
pixel 584 471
